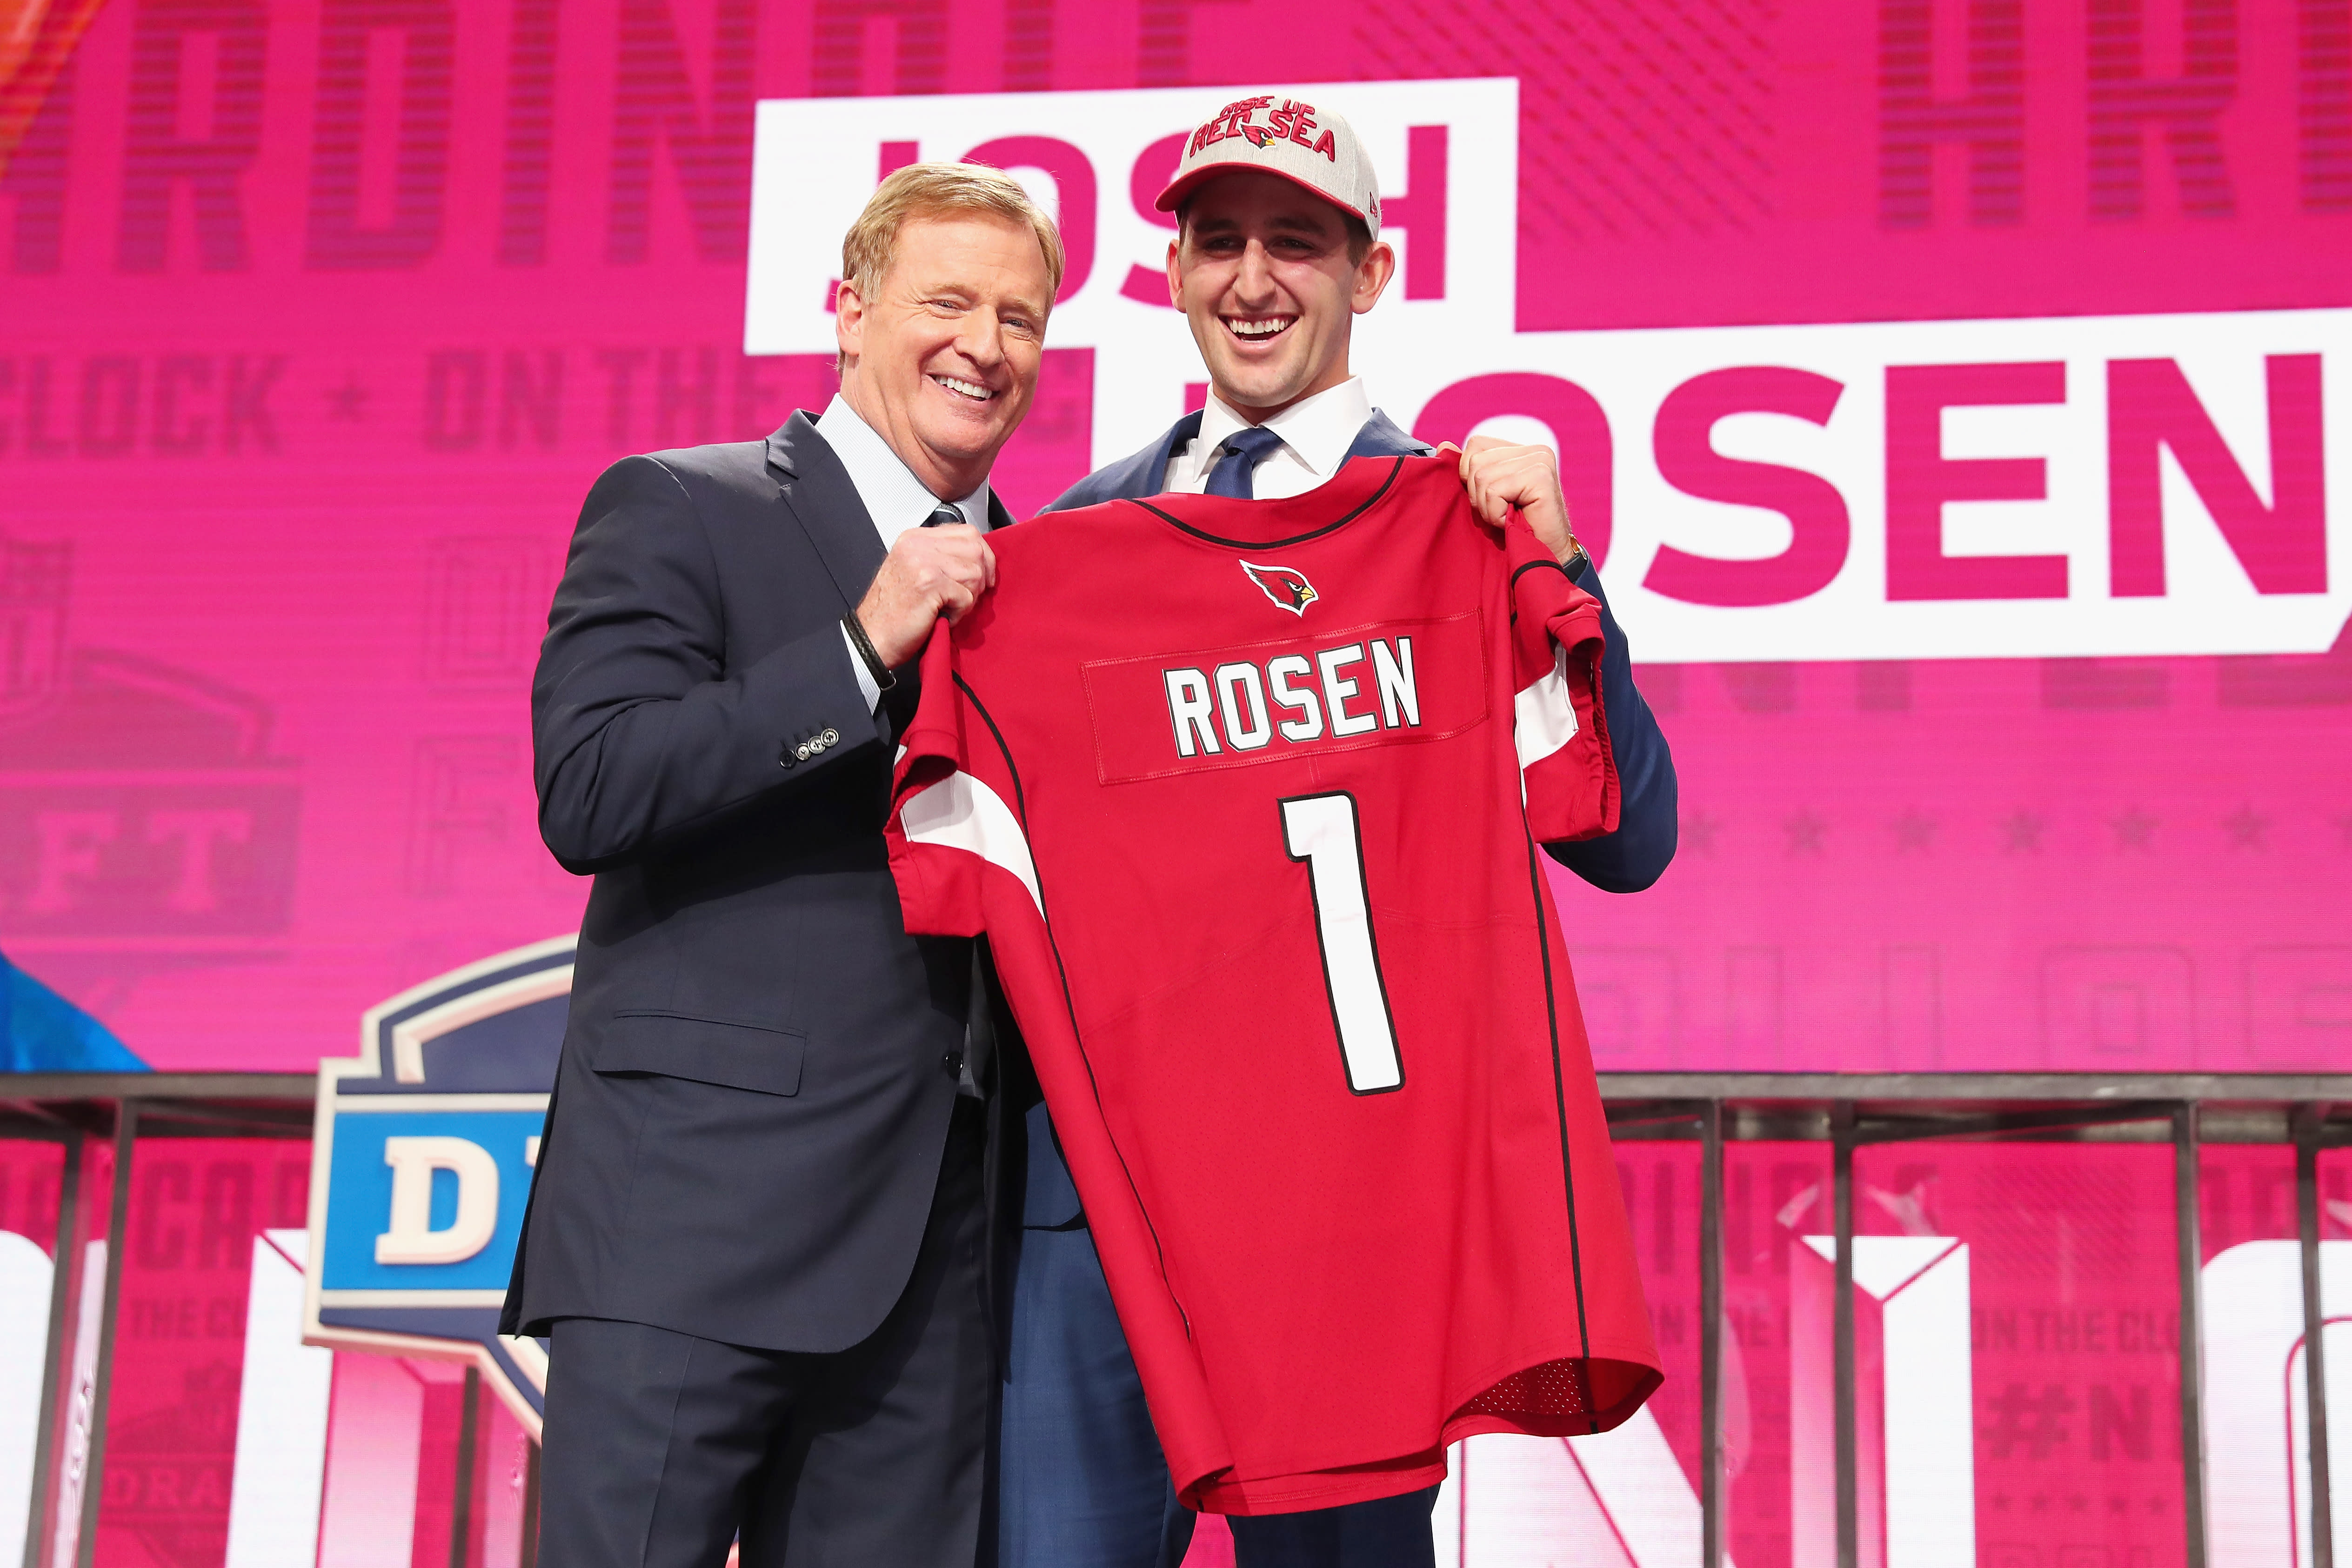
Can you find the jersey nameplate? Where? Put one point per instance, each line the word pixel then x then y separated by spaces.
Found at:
pixel 1388 684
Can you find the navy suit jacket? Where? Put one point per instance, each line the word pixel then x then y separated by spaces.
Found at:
pixel 1626 861
pixel 759 1062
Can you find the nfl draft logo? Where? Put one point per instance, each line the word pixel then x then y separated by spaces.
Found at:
pixel 424 1148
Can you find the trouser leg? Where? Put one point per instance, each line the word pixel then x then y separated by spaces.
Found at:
pixel 659 1446
pixel 1082 1481
pixel 883 1460
pixel 651 1436
pixel 1386 1532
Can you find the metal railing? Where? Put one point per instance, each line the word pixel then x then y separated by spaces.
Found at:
pixel 2309 1113
pixel 115 1110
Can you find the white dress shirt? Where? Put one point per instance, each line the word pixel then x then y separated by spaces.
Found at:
pixel 1316 434
pixel 896 501
pixel 893 498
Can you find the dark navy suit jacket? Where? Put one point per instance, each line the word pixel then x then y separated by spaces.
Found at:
pixel 760 1063
pixel 1626 861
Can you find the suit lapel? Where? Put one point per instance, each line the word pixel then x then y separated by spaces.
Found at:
pixel 1180 434
pixel 1380 437
pixel 815 491
pixel 816 494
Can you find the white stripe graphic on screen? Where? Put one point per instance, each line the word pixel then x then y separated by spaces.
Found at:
pixel 1920 1286
pixel 1616 1499
pixel 73 1462
pixel 1641 1486
pixel 1322 831
pixel 2258 1464
pixel 1525 1504
pixel 367 1508
pixel 24 1281
pixel 281 1420
pixel 959 812
pixel 2337 1343
pixel 1446 1520
pixel 1543 717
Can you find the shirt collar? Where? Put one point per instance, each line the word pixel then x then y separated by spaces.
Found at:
pixel 1318 430
pixel 894 497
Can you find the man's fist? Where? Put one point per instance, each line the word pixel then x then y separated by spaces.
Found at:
pixel 1500 476
pixel 929 573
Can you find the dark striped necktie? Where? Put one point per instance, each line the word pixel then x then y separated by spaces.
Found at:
pixel 1244 449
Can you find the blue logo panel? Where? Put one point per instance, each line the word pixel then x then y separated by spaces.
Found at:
pixel 452 1155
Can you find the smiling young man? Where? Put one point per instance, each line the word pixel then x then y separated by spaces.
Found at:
pixel 757 1236
pixel 1277 251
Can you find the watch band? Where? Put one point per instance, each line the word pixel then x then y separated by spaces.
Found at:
pixel 858 639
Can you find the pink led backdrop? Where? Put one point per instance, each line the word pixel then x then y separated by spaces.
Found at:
pixel 317 319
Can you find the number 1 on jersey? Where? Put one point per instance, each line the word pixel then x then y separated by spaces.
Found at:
pixel 1322 831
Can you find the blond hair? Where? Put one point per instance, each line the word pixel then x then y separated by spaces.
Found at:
pixel 933 190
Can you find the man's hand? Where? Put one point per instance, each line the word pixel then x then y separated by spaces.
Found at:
pixel 929 573
pixel 1500 476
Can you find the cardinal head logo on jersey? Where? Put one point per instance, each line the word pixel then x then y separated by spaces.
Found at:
pixel 1286 586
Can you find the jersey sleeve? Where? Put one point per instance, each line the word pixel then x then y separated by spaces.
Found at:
pixel 955 833
pixel 1568 773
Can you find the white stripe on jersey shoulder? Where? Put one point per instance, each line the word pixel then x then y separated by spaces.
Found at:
pixel 1543 716
pixel 961 812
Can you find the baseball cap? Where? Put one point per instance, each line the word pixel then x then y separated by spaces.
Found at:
pixel 1313 148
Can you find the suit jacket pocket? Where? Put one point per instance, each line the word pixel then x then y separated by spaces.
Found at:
pixel 706 1050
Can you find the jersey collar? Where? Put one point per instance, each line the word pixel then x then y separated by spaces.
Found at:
pixel 1318 429
pixel 1361 485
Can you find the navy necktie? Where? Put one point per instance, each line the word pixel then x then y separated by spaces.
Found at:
pixel 1244 450
pixel 943 515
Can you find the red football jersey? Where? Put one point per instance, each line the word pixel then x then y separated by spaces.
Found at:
pixel 1246 795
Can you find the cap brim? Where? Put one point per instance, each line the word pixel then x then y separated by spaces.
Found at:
pixel 1185 185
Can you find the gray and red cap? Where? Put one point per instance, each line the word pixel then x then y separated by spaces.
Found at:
pixel 1312 148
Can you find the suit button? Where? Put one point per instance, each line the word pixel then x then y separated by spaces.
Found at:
pixel 830 737
pixel 801 751
pixel 952 1062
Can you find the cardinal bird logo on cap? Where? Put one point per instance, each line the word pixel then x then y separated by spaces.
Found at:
pixel 1286 586
pixel 1259 135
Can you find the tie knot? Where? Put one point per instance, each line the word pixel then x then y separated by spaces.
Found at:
pixel 1244 450
pixel 1253 443
pixel 942 516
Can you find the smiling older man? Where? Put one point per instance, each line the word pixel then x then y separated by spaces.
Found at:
pixel 758 1234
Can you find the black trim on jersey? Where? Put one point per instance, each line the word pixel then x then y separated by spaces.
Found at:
pixel 1559 1096
pixel 1551 1017
pixel 1020 801
pixel 1367 505
pixel 1021 805
pixel 1537 566
pixel 1511 589
pixel 1363 880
